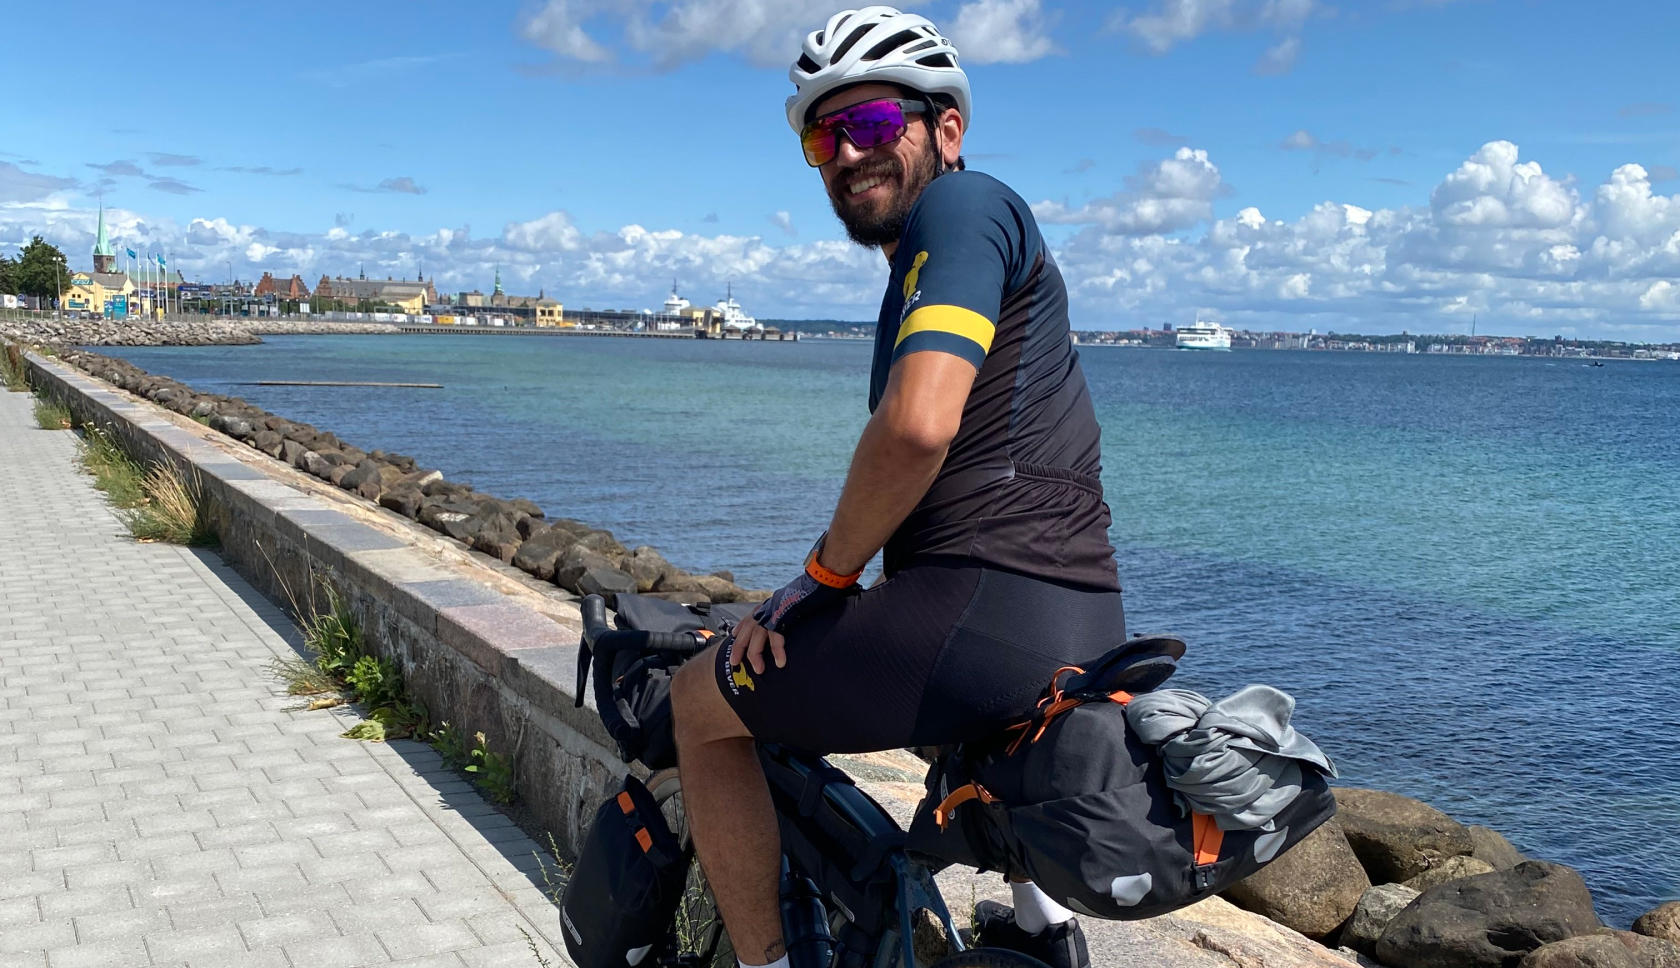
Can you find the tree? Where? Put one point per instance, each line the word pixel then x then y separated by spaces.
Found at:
pixel 8 275
pixel 41 270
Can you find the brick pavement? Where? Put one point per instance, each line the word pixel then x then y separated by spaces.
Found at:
pixel 162 802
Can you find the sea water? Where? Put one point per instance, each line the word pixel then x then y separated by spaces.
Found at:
pixel 1466 570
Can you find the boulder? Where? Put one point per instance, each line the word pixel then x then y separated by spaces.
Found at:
pixel 1662 922
pixel 526 507
pixel 541 552
pixel 1395 837
pixel 1451 869
pixel 490 531
pixel 497 544
pixel 203 408
pixel 278 424
pixel 1371 916
pixel 339 473
pixel 366 472
pixel 1589 951
pixel 369 489
pixel 1492 848
pixel 1489 920
pixel 677 581
pixel 317 464
pixel 575 563
pixel 292 452
pixel 232 426
pixel 443 488
pixel 404 500
pixel 530 527
pixel 682 598
pixel 725 574
pixel 419 479
pixel 1312 888
pixel 604 544
pixel 647 566
pixel 391 476
pixel 1648 951
pixel 607 583
pixel 718 589
pixel 268 442
pixel 436 513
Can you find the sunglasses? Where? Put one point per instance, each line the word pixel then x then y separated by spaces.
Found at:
pixel 870 124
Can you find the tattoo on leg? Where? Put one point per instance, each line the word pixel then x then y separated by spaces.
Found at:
pixel 774 952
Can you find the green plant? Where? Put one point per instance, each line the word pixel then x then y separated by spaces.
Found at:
pixel 12 371
pixel 401 719
pixel 371 730
pixel 50 414
pixel 451 745
pixel 554 885
pixel 173 510
pixel 375 682
pixel 493 771
pixel 302 677
pixel 333 635
pixel 536 952
pixel 122 479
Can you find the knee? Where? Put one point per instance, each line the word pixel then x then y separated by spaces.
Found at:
pixel 699 712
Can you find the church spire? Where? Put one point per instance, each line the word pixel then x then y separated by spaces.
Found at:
pixel 104 260
pixel 498 291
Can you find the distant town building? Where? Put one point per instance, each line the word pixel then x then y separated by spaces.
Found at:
pixel 104 260
pixel 106 293
pixel 293 288
pixel 550 313
pixel 408 296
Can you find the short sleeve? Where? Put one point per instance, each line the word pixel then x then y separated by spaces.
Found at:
pixel 963 246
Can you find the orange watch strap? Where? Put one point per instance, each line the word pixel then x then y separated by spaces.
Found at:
pixel 824 576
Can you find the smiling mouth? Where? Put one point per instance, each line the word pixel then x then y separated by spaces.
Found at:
pixel 860 185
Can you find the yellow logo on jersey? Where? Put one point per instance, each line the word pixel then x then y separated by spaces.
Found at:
pixel 914 273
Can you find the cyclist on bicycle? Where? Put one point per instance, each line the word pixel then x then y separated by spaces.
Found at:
pixel 977 476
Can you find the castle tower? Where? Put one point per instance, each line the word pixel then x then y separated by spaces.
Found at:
pixel 498 291
pixel 104 260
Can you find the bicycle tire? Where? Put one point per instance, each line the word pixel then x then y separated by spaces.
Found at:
pixel 990 958
pixel 698 913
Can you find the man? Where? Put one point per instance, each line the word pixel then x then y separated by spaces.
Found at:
pixel 977 476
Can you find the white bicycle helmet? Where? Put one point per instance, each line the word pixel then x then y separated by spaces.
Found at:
pixel 876 44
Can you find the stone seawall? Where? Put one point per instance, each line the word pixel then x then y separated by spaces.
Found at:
pixel 490 647
pixel 47 329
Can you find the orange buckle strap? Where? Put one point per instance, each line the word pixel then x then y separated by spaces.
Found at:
pixel 1207 837
pixel 958 797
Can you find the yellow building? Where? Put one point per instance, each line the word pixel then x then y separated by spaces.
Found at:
pixel 549 313
pixel 93 292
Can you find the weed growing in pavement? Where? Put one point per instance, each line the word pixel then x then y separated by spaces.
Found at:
pixel 334 635
pixel 302 677
pixel 173 510
pixel 451 745
pixel 554 885
pixel 536 952
pixel 12 372
pixel 51 415
pixel 114 472
pixel 375 681
pixel 493 771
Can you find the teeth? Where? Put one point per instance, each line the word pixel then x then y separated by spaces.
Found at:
pixel 865 184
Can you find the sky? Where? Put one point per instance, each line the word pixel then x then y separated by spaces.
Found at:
pixel 1368 167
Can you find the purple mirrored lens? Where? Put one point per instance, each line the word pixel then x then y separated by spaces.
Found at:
pixel 868 125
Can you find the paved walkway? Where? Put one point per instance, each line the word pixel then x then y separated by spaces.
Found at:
pixel 162 802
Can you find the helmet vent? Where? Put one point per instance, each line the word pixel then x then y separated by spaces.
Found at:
pixel 924 45
pixel 808 65
pixel 936 60
pixel 849 43
pixel 889 45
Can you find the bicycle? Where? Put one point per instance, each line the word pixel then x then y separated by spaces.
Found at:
pixel 840 849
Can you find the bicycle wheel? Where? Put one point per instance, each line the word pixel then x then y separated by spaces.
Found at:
pixel 698 924
pixel 990 958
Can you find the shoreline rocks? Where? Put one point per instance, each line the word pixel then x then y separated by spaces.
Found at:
pixel 175 331
pixel 579 558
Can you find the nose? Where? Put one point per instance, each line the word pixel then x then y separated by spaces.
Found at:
pixel 850 154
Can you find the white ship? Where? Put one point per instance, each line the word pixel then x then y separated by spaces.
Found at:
pixel 729 311
pixel 1204 336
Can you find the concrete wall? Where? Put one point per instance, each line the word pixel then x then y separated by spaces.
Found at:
pixel 476 656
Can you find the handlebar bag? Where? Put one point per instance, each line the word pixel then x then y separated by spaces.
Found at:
pixel 621 900
pixel 1075 802
pixel 633 697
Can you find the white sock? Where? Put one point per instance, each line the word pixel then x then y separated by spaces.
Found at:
pixel 781 962
pixel 1034 911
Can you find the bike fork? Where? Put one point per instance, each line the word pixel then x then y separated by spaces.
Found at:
pixel 917 891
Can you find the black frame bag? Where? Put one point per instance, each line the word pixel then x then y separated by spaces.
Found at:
pixel 623 894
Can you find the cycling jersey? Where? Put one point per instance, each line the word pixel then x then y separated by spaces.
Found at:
pixel 1021 486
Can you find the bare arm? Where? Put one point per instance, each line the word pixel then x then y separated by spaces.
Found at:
pixel 897 457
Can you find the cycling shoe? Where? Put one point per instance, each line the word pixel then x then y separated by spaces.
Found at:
pixel 1059 946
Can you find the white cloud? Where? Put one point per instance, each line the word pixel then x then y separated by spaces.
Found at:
pixel 1002 32
pixel 1169 196
pixel 784 221
pixel 665 34
pixel 1173 22
pixel 1499 237
pixel 17 185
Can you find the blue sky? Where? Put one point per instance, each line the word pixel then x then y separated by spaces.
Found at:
pixel 1277 163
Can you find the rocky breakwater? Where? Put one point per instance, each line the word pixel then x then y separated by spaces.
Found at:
pixel 1395 880
pixel 578 558
pixel 179 331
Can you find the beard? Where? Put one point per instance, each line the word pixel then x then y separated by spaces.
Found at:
pixel 881 223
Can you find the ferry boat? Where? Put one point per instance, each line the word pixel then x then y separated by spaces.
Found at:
pixel 734 320
pixel 1204 336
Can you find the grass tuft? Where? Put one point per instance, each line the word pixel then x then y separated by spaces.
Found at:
pixel 302 677
pixel 12 373
pixel 51 415
pixel 122 479
pixel 173 510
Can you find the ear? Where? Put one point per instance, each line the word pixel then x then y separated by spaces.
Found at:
pixel 949 130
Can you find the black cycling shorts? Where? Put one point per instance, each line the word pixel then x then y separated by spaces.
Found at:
pixel 940 653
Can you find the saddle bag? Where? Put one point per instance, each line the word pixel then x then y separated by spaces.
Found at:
pixel 1074 801
pixel 623 894
pixel 633 690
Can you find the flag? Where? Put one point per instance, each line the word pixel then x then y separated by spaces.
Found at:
pixel 161 263
pixel 131 254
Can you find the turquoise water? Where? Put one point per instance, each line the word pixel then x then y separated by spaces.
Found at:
pixel 1466 570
